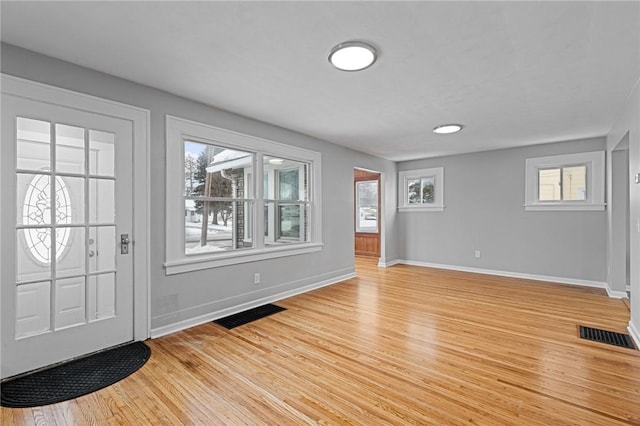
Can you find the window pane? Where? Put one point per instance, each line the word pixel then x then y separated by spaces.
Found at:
pixel 33 144
pixel 288 185
pixel 413 187
pixel 69 200
pixel 36 264
pixel 288 178
pixel 102 201
pixel 287 221
pixel 428 189
pixel 213 171
pixel 367 206
pixel 101 153
pixel 574 187
pixel 549 185
pixel 212 226
pixel 69 149
pixel 102 248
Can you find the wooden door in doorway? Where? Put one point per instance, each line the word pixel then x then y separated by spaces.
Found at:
pixel 367 213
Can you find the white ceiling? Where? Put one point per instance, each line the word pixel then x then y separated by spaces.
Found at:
pixel 514 73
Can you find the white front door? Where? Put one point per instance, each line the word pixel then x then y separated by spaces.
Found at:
pixel 67 280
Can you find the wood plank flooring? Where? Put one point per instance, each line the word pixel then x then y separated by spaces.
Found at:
pixel 398 346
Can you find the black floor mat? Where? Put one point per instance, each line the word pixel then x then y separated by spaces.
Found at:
pixel 604 336
pixel 245 317
pixel 74 378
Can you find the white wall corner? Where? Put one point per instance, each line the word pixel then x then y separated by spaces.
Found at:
pixel 635 334
pixel 615 294
pixel 382 263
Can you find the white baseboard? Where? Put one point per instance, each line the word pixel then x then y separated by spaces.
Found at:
pixel 635 334
pixel 384 264
pixel 616 294
pixel 628 288
pixel 560 280
pixel 212 316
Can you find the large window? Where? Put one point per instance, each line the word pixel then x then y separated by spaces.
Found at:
pixel 421 190
pixel 565 182
pixel 367 206
pixel 217 205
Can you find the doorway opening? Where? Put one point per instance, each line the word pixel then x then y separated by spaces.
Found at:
pixel 620 273
pixel 366 213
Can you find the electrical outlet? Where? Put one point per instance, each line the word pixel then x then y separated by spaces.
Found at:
pixel 477 254
pixel 256 278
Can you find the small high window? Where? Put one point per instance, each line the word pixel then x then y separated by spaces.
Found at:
pixel 421 190
pixel 565 182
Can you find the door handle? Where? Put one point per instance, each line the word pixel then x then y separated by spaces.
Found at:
pixel 124 244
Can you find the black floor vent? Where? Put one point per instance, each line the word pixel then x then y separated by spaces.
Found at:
pixel 246 317
pixel 608 337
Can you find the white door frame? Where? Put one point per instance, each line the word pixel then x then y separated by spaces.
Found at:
pixel 140 119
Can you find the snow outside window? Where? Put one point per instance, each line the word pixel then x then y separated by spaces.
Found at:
pixel 421 190
pixel 218 214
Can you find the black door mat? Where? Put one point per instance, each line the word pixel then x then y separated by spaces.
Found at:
pixel 246 317
pixel 608 337
pixel 74 378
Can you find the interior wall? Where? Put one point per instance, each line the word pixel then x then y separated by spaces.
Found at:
pixel 186 298
pixel 619 265
pixel 629 122
pixel 484 210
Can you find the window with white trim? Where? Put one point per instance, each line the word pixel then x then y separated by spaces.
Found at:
pixel 421 190
pixel 234 198
pixel 565 182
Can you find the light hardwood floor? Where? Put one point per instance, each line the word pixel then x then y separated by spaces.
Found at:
pixel 402 345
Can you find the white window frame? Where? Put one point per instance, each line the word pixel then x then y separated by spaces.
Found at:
pixel 403 192
pixel 178 130
pixel 375 230
pixel 595 180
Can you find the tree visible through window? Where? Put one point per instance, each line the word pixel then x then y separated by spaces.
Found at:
pixel 421 190
pixel 214 197
pixel 235 198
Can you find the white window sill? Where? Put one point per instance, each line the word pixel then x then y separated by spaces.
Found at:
pixel 565 207
pixel 421 208
pixel 197 263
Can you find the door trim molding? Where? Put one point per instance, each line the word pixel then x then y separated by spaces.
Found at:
pixel 140 119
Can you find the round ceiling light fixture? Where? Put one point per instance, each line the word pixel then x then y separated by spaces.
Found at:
pixel 446 129
pixel 353 56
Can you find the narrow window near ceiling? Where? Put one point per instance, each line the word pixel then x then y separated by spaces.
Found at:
pixel 565 182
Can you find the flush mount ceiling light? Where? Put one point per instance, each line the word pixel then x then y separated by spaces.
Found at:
pixel 446 129
pixel 352 56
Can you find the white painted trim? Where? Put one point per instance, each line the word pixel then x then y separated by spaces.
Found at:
pixel 403 201
pixel 384 264
pixel 195 263
pixel 140 117
pixel 202 319
pixel 615 294
pixel 635 334
pixel 627 288
pixel 559 280
pixel 595 181
pixel 564 207
pixel 179 129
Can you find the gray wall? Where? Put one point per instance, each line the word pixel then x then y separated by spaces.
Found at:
pixel 484 197
pixel 186 296
pixel 628 126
